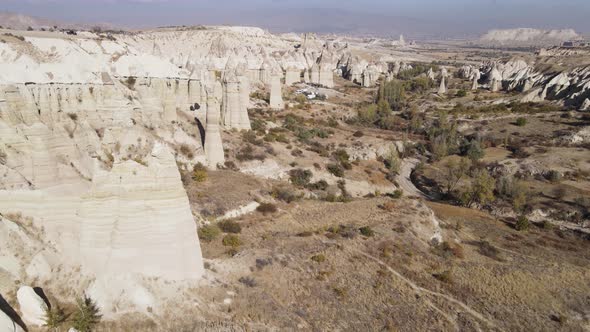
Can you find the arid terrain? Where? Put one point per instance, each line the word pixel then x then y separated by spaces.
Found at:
pixel 228 179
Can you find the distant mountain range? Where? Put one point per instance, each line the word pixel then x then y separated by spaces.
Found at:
pixel 23 22
pixel 322 21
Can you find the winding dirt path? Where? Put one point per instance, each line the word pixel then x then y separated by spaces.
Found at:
pixel 404 178
pixel 423 291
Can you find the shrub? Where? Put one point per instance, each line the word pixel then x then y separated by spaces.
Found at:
pixel 553 176
pixel 247 153
pixel 130 82
pixel 366 231
pixel 285 194
pixel 487 249
pixel 461 93
pixel 474 151
pixel 396 194
pixel 319 258
pixel 87 315
pixel 522 223
pixel 444 276
pixel 54 317
pixel 208 233
pixel 230 226
pixel 300 177
pixel 186 150
pixel 231 240
pixel 547 225
pixel 320 185
pixel 248 281
pixel 250 137
pixel 335 169
pixel 267 208
pixel 393 161
pixel 521 122
pixel 199 173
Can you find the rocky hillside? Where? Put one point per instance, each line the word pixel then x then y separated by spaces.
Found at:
pixel 528 37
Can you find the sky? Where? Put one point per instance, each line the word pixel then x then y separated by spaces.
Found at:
pixel 411 17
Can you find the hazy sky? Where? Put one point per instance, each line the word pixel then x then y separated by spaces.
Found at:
pixel 453 16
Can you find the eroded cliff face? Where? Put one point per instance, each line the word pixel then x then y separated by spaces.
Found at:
pixel 93 169
pixel 92 134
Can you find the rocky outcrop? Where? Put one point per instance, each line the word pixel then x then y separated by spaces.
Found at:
pixel 213 144
pixel 8 325
pixel 442 89
pixel 292 76
pixel 276 94
pixel 236 96
pixel 370 76
pixel 32 306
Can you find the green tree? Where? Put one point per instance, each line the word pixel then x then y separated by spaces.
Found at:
pixel 393 161
pixel 453 172
pixel 368 115
pixel 87 315
pixel 394 93
pixel 415 119
pixel 481 190
pixel 474 151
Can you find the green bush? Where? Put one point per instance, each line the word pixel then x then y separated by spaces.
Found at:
pixel 366 231
pixel 335 169
pixel 54 317
pixel 320 258
pixel 396 194
pixel 300 177
pixel 231 240
pixel 285 194
pixel 267 208
pixel 461 93
pixel 199 173
pixel 230 226
pixel 87 315
pixel 208 233
pixel 522 223
pixel 521 122
pixel 444 276
pixel 474 151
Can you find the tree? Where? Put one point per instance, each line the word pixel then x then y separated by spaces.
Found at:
pixel 519 197
pixel 475 151
pixel 415 119
pixel 393 161
pixel 453 172
pixel 394 93
pixel 87 316
pixel 522 223
pixel 481 190
pixel 54 317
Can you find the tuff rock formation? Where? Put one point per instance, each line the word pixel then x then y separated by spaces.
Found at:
pixel 8 325
pixel 236 92
pixel 32 306
pixel 442 88
pixel 213 144
pixel 276 94
pixel 292 76
pixel 370 76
